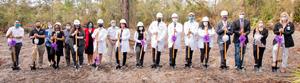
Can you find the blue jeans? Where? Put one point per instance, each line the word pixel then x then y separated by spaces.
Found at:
pixel 237 56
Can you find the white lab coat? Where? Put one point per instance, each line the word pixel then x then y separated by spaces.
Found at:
pixel 190 40
pixel 100 35
pixel 178 29
pixel 138 41
pixel 124 39
pixel 201 33
pixel 157 41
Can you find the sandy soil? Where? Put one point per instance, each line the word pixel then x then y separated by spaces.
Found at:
pixel 108 74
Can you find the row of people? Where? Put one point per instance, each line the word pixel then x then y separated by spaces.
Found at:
pixel 94 40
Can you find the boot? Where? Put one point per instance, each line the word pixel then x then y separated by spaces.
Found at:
pixel 33 67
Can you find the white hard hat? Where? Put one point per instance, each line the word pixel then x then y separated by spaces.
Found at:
pixel 17 21
pixel 174 15
pixel 76 22
pixel 224 13
pixel 140 24
pixel 123 21
pixel 205 18
pixel 100 21
pixel 58 23
pixel 159 15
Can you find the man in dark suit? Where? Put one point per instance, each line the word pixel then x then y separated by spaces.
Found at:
pixel 241 30
pixel 224 31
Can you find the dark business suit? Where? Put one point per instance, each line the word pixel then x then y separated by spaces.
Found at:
pixel 237 26
pixel 221 44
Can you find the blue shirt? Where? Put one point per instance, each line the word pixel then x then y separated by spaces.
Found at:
pixel 48 33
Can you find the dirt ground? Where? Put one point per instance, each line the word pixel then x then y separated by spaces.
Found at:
pixel 108 74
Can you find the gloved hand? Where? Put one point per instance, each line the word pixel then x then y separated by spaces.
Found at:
pixel 206 38
pixel 11 42
pixel 174 38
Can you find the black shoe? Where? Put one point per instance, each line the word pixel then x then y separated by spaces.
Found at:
pixel 94 65
pixel 153 66
pixel 53 66
pixel 32 67
pixel 274 69
pixel 224 67
pixel 118 67
pixel 16 68
pixel 186 65
pixel 205 65
pixel 56 67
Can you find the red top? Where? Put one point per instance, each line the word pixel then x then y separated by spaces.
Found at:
pixel 87 34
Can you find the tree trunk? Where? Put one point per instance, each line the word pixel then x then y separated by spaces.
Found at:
pixel 125 10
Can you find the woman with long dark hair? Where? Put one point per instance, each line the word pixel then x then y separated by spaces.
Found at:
pixel 89 30
pixel 122 47
pixel 78 35
pixel 205 42
pixel 57 45
pixel 140 44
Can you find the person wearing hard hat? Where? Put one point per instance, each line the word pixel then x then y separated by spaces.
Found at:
pixel 224 30
pixel 157 31
pixel 140 46
pixel 283 40
pixel 78 36
pixel 112 39
pixel 14 37
pixel 122 47
pixel 190 31
pixel 206 34
pixel 68 43
pixel 241 30
pixel 38 38
pixel 100 35
pixel 174 36
pixel 89 47
pixel 57 45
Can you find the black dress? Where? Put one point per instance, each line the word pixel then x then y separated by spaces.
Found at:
pixel 90 48
pixel 60 44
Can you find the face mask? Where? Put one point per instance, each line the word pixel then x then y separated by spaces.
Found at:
pixel 18 25
pixel 100 25
pixel 284 18
pixel 242 16
pixel 76 26
pixel 159 20
pixel 175 19
pixel 38 26
pixel 90 25
pixel 224 18
pixel 260 25
pixel 113 24
pixel 140 28
pixel 191 18
pixel 205 23
pixel 68 27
